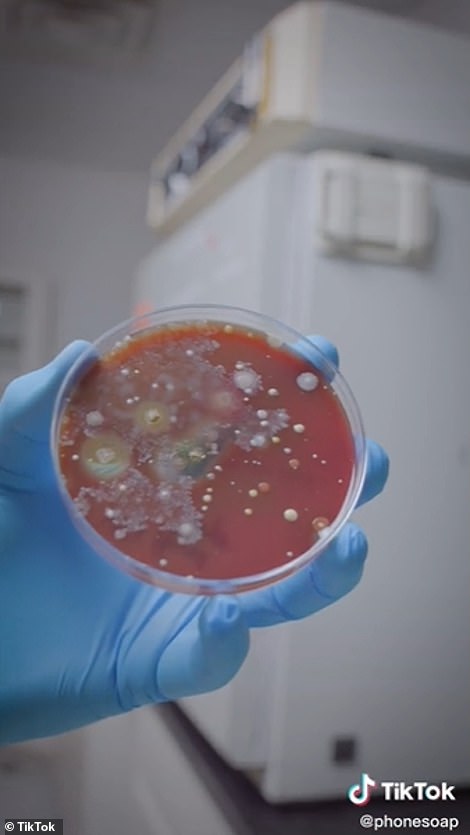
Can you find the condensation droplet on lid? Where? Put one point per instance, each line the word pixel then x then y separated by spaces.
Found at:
pixel 307 381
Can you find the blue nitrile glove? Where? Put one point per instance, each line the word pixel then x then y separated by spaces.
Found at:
pixel 79 640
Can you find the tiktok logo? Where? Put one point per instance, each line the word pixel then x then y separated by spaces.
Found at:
pixel 360 793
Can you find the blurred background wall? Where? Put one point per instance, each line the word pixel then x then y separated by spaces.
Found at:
pixel 78 133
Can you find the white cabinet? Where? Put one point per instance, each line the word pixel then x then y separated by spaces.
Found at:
pixel 391 655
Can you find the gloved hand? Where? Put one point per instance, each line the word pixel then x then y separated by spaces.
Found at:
pixel 79 640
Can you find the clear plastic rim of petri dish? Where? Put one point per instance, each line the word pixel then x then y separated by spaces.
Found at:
pixel 246 319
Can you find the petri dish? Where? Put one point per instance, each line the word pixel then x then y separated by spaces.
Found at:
pixel 207 449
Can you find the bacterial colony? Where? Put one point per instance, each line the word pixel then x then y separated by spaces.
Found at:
pixel 206 450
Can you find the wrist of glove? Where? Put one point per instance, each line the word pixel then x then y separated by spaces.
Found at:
pixel 79 640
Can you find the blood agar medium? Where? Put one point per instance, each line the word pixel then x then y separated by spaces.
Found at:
pixel 207 449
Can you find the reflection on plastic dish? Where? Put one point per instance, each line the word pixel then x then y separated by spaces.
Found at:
pixel 207 449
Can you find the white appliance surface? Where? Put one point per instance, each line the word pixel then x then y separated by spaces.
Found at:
pixel 320 75
pixel 386 667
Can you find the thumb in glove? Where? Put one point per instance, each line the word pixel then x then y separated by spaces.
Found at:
pixel 25 418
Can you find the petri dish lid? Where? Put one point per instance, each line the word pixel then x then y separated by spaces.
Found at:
pixel 207 449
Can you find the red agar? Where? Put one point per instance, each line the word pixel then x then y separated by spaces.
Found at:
pixel 206 450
